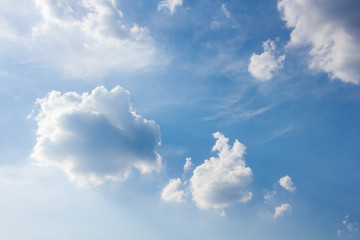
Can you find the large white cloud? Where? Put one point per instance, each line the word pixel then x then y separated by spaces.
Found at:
pixel 95 136
pixel 264 65
pixel 331 29
pixel 81 38
pixel 221 181
pixel 170 5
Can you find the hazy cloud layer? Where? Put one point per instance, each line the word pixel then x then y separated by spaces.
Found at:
pixel 221 181
pixel 264 65
pixel 84 39
pixel 95 136
pixel 331 29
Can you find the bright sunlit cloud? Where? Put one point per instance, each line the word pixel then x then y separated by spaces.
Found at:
pixel 95 136
pixel 264 65
pixel 330 30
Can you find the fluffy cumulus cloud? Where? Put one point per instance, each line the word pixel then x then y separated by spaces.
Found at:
pixel 264 66
pixel 221 181
pixel 78 38
pixel 287 183
pixel 170 5
pixel 172 193
pixel 331 29
pixel 280 210
pixel 95 136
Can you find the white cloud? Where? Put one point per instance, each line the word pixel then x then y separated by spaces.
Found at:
pixel 226 12
pixel 349 229
pixel 331 30
pixel 286 183
pixel 169 4
pixel 188 165
pixel 95 136
pixel 264 66
pixel 82 38
pixel 171 192
pixel 269 195
pixel 280 210
pixel 221 181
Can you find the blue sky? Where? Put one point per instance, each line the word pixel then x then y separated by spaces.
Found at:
pixel 179 119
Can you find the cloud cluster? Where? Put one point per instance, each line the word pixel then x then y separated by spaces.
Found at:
pixel 84 39
pixel 331 29
pixel 170 5
pixel 280 210
pixel 263 66
pixel 95 137
pixel 286 183
pixel 218 182
pixel 349 230
pixel 221 181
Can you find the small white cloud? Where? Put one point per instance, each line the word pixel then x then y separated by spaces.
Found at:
pixel 171 192
pixel 331 33
pixel 214 25
pixel 226 12
pixel 339 233
pixel 269 195
pixel 264 66
pixel 188 165
pixel 280 210
pixel 221 181
pixel 286 183
pixel 350 229
pixel 169 4
pixel 95 136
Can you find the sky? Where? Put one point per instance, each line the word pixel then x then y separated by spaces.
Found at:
pixel 176 119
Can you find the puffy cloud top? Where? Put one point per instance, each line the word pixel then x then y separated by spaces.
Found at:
pixel 264 66
pixel 332 30
pixel 221 181
pixel 188 165
pixel 94 137
pixel 171 192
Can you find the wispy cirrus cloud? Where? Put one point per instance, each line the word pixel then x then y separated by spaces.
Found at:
pixel 170 5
